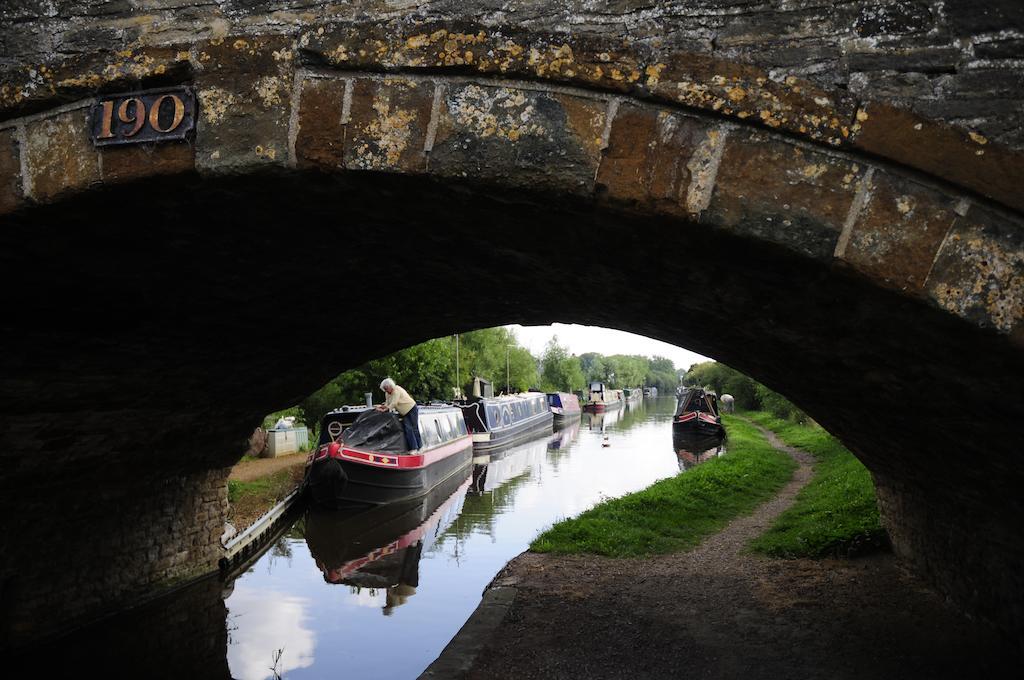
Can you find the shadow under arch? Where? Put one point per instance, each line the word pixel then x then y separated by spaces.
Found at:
pixel 155 320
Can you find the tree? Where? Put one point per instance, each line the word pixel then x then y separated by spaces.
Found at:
pixel 559 371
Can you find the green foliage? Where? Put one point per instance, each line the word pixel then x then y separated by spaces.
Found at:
pixel 750 395
pixel 629 370
pixel 559 371
pixel 427 371
pixel 836 513
pixel 676 513
pixel 272 418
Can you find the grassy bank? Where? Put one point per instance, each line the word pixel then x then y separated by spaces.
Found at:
pixel 676 513
pixel 249 500
pixel 836 513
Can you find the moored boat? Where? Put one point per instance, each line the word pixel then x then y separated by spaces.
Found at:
pixel 367 462
pixel 565 408
pixel 632 395
pixel 602 398
pixel 697 414
pixel 506 420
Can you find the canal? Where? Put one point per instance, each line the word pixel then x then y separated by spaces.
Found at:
pixel 379 594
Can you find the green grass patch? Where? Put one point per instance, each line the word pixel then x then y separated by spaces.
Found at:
pixel 676 513
pixel 271 487
pixel 836 513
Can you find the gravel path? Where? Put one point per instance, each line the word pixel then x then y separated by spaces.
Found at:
pixel 263 467
pixel 721 612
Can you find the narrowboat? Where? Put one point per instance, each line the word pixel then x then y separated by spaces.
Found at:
pixel 602 398
pixel 565 408
pixel 367 462
pixel 381 547
pixel 697 414
pixel 631 395
pixel 650 392
pixel 506 420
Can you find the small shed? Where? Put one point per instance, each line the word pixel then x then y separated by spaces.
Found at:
pixel 282 441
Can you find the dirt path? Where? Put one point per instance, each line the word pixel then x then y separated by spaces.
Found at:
pixel 721 612
pixel 263 467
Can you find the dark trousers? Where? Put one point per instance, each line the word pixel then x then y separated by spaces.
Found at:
pixel 411 425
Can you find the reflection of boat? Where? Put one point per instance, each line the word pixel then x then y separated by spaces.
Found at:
pixel 381 547
pixel 602 398
pixel 507 464
pixel 600 421
pixel 565 408
pixel 503 421
pixel 564 437
pixel 693 450
pixel 367 462
pixel 697 413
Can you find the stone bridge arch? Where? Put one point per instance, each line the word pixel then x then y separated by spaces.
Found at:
pixel 862 259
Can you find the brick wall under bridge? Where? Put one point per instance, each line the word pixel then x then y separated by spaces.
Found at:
pixel 863 258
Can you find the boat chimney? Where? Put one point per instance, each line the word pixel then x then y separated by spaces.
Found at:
pixel 369 398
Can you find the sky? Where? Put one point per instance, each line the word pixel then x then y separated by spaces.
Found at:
pixel 581 339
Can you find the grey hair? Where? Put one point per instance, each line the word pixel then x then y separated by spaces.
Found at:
pixel 387 382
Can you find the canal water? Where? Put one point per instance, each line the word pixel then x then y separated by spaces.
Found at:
pixel 379 594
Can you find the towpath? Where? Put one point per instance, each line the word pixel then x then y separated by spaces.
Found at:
pixel 720 611
pixel 250 470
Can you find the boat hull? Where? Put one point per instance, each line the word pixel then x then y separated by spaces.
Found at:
pixel 339 484
pixel 697 427
pixel 520 432
pixel 602 407
pixel 560 420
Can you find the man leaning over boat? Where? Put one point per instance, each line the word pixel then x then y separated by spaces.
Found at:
pixel 400 400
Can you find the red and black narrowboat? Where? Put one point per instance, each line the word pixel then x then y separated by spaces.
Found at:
pixel 367 462
pixel 697 414
pixel 565 408
pixel 602 398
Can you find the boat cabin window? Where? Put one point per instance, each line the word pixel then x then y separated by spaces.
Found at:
pixel 458 424
pixel 429 432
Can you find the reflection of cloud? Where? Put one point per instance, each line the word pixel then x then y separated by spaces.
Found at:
pixel 266 622
pixel 367 597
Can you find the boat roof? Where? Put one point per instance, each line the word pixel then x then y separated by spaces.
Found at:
pixel 349 409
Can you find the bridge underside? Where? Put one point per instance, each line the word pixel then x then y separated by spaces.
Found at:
pixel 156 324
pixel 356 185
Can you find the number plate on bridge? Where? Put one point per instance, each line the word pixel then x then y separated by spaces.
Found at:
pixel 139 117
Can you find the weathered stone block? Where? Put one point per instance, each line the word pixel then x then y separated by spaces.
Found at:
pixel 244 94
pixel 10 172
pixel 963 158
pixel 979 271
pixel 320 138
pixel 898 231
pixel 533 138
pixel 60 155
pixel 646 162
pixel 128 163
pixel 388 128
pixel 747 92
pixel 780 192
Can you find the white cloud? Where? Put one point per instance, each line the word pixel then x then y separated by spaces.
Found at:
pixel 264 622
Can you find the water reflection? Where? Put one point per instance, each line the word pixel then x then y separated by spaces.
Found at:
pixel 694 450
pixel 380 549
pixel 317 596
